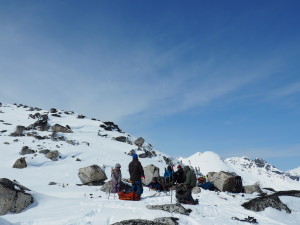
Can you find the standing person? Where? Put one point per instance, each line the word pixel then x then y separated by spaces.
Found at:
pixel 116 177
pixel 168 175
pixel 179 175
pixel 136 172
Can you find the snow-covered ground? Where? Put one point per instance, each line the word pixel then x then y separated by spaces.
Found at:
pixel 69 204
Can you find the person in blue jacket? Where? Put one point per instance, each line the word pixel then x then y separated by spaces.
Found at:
pixel 169 175
pixel 155 185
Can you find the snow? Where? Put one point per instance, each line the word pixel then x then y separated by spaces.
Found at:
pixel 69 204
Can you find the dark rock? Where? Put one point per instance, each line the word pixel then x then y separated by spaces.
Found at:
pixel 110 126
pixel 6 143
pixel 139 142
pixel 26 150
pixel 269 189
pixel 53 110
pixel 80 117
pixel 41 124
pixel 260 203
pixel 52 183
pixel 78 159
pixel 20 163
pixel 223 181
pixel 121 139
pixel 172 208
pixel 56 115
pixel 53 155
pixel 18 132
pixel 137 222
pixel 3 131
pixel 13 197
pixel 44 151
pixel 167 220
pixel 7 123
pixel 60 128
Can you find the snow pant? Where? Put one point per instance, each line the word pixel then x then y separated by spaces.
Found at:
pixel 137 187
pixel 116 187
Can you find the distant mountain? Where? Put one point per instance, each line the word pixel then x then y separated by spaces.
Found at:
pixel 252 171
pixel 294 174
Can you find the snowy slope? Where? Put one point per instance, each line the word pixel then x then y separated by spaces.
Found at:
pixel 69 204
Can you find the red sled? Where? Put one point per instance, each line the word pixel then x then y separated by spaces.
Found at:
pixel 132 196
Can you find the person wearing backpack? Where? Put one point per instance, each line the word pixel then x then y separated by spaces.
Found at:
pixel 116 177
pixel 136 172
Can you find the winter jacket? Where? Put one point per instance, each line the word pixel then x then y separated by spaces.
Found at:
pixel 155 185
pixel 179 176
pixel 190 177
pixel 116 177
pixel 136 170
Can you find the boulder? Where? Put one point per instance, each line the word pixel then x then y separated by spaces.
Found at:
pixel 172 208
pixel 92 174
pixel 107 187
pixel 60 128
pixel 224 181
pixel 250 189
pixel 13 197
pixel 167 220
pixel 53 155
pixel 259 204
pixel 139 142
pixel 137 222
pixel 53 110
pixel 121 138
pixel 150 171
pixel 26 150
pixel 41 124
pixel 18 132
pixel 20 163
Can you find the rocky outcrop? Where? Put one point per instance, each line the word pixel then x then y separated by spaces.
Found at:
pixel 92 175
pixel 18 132
pixel 121 138
pixel 41 124
pixel 13 197
pixel 53 155
pixel 158 221
pixel 150 171
pixel 224 181
pixel 139 142
pixel 60 128
pixel 260 203
pixel 250 189
pixel 107 187
pixel 20 163
pixel 110 126
pixel 26 150
pixel 172 208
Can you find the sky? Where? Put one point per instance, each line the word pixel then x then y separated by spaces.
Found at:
pixel 188 76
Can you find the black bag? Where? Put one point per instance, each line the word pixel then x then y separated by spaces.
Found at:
pixel 184 195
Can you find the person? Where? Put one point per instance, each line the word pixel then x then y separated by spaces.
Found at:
pixel 179 175
pixel 155 185
pixel 190 178
pixel 116 177
pixel 184 190
pixel 168 175
pixel 136 173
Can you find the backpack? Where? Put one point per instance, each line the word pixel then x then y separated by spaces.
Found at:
pixel 184 195
pixel 132 196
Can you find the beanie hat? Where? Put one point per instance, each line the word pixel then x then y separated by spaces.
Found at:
pixel 179 167
pixel 118 165
pixel 134 156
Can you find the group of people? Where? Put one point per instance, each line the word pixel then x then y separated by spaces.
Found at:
pixel 183 177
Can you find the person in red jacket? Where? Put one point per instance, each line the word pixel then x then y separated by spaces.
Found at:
pixel 136 172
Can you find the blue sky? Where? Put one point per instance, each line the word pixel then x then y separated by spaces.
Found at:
pixel 188 76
